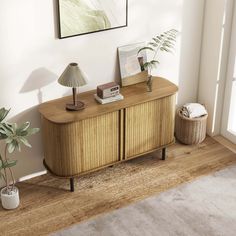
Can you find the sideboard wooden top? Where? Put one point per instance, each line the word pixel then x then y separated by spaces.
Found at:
pixel 55 111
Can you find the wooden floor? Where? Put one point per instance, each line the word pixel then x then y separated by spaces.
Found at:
pixel 47 206
pixel 231 146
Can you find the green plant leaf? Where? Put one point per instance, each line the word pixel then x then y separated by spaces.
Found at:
pixel 18 147
pixel 9 140
pixel 32 131
pixel 9 164
pixel 153 44
pixel 150 65
pixel 3 113
pixel 23 127
pixel 22 133
pixel 169 43
pixel 163 42
pixel 2 136
pixel 154 62
pixel 146 48
pixel 13 134
pixel 171 39
pixel 165 49
pixel 14 127
pixel 147 65
pixel 156 40
pixel 5 130
pixel 9 127
pixel 159 37
pixel 25 141
pixel 12 146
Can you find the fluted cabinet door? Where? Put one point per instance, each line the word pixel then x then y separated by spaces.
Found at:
pixel 77 147
pixel 100 141
pixel 149 126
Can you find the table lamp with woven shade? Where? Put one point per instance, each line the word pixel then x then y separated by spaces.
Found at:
pixel 73 77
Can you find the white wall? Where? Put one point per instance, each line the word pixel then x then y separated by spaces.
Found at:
pixel 32 57
pixel 214 60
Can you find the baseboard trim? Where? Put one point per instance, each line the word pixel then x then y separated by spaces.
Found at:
pixel 225 142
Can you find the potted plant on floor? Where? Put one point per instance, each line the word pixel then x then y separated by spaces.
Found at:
pixel 14 136
pixel 164 42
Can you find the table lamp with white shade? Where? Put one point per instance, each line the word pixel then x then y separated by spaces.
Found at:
pixel 73 77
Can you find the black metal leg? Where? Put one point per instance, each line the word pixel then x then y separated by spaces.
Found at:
pixel 72 186
pixel 163 154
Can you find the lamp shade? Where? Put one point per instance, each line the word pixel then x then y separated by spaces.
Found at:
pixel 72 76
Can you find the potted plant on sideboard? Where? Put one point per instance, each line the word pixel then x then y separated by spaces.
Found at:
pixel 14 136
pixel 164 42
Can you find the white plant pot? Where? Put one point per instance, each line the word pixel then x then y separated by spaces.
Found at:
pixel 10 200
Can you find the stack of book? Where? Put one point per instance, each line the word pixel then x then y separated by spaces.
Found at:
pixel 108 93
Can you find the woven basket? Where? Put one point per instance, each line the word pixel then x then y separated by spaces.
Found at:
pixel 190 130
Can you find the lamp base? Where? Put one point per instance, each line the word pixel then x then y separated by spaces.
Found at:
pixel 75 107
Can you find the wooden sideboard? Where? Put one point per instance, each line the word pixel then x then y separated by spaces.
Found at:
pixel 79 142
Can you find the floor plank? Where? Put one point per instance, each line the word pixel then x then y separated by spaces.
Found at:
pixel 48 206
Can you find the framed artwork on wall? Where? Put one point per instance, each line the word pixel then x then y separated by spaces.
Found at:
pixel 132 64
pixel 78 17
